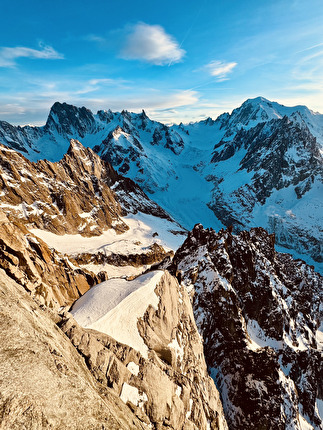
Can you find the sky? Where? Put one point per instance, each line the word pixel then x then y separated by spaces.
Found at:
pixel 178 60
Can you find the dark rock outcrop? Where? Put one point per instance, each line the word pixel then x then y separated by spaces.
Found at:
pixel 153 255
pixel 259 314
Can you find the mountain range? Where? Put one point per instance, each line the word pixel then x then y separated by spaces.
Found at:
pixel 259 166
pixel 120 310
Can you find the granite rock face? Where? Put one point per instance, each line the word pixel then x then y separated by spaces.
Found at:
pixel 45 384
pixel 259 314
pixel 48 276
pixel 71 196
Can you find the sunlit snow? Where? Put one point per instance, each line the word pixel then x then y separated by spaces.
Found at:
pixel 114 307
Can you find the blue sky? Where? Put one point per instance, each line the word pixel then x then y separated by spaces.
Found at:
pixel 178 60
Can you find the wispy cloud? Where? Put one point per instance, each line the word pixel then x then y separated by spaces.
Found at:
pixel 7 109
pixel 8 56
pixel 97 84
pixel 94 38
pixel 307 69
pixel 151 43
pixel 220 69
pixel 37 95
pixel 107 81
pixel 310 48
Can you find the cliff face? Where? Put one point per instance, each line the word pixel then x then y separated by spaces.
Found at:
pixel 162 375
pixel 45 384
pixel 259 314
pixel 49 276
pixel 70 196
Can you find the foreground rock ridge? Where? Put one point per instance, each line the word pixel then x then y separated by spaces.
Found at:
pixel 45 383
pixel 259 313
pixel 261 165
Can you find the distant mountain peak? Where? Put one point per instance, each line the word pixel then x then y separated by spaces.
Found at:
pixel 257 100
pixel 70 120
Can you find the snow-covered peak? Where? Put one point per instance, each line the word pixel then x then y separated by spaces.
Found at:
pixel 259 109
pixel 252 112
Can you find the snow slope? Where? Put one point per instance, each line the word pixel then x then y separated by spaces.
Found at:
pixel 114 306
pixel 144 231
pixel 142 227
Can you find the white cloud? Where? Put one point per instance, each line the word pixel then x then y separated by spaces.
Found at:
pixel 7 109
pixel 220 69
pixel 8 56
pixel 150 43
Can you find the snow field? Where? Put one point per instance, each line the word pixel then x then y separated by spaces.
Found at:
pixel 133 241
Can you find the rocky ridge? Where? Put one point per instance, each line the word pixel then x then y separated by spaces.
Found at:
pixel 259 313
pixel 79 195
pixel 71 196
pixel 185 397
